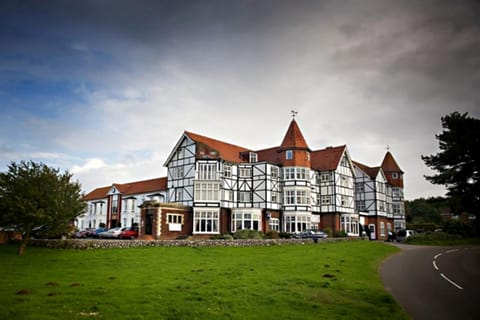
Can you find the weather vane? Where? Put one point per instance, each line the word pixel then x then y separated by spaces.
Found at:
pixel 388 147
pixel 294 113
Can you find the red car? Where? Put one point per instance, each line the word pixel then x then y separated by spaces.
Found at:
pixel 129 233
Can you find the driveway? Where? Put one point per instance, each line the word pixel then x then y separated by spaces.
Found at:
pixel 435 282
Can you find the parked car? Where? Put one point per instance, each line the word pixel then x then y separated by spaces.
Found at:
pixel 310 234
pixel 96 232
pixel 129 233
pixel 404 234
pixel 113 233
pixel 84 233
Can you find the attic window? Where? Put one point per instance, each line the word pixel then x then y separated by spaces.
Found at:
pixel 253 157
pixel 289 155
pixel 395 175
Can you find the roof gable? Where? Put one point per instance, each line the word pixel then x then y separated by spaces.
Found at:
pixel 328 158
pixel 208 148
pixel 369 171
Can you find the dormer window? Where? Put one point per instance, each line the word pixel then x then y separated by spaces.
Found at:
pixel 289 155
pixel 253 157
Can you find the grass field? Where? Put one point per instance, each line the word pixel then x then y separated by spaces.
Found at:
pixel 315 281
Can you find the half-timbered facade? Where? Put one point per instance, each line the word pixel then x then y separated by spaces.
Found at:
pixel 373 200
pixel 223 188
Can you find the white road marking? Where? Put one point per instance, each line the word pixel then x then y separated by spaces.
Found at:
pixel 453 283
pixel 443 276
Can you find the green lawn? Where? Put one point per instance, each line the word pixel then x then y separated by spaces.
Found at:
pixel 315 281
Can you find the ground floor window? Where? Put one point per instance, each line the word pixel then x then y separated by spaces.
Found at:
pixel 349 223
pixel 274 224
pixel 206 221
pixel 297 223
pixel 246 220
pixel 382 228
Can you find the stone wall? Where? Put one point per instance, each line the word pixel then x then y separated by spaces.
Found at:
pixel 104 244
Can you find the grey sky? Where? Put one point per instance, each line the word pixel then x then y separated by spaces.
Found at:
pixel 106 88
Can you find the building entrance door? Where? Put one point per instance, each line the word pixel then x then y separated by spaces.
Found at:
pixel 148 223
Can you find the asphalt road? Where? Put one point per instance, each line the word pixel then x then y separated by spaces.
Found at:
pixel 435 282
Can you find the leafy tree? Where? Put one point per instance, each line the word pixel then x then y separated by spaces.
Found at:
pixel 33 195
pixel 458 163
pixel 422 211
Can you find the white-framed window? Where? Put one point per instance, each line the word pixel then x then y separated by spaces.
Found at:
pixel 349 223
pixel 177 172
pixel 289 155
pixel 395 175
pixel 207 171
pixel 178 194
pixel 397 209
pixel 114 203
pixel 292 173
pixel 302 196
pixel 207 191
pixel 252 157
pixel 174 218
pixel 228 195
pixel 326 200
pixel 206 221
pixel 274 172
pixel 382 228
pixel 274 196
pixel 289 173
pixel 297 223
pixel 246 220
pixel 381 206
pixel 361 205
pixel 397 192
pixel 302 173
pixel 245 172
pixel 245 196
pixel 274 224
pixel 344 161
pixel 326 176
pixel 227 170
pixel 289 196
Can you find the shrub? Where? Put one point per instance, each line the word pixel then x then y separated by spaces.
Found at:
pixel 341 234
pixel 225 236
pixel 285 235
pixel 248 234
pixel 457 227
pixel 328 231
pixel 272 235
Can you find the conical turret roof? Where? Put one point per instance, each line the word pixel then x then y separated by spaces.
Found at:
pixel 294 138
pixel 389 164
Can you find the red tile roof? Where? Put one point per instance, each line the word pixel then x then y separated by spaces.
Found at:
pixel 209 148
pixel 371 172
pixel 130 188
pixel 269 155
pixel 327 159
pixel 294 138
pixel 389 164
pixel 96 194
